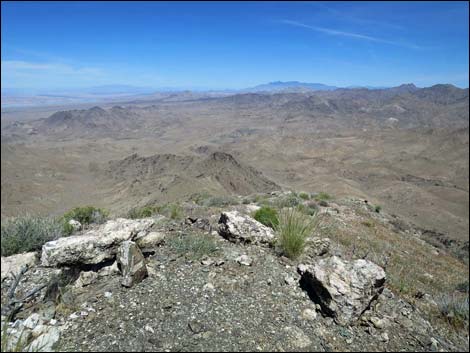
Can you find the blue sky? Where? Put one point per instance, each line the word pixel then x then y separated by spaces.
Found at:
pixel 54 45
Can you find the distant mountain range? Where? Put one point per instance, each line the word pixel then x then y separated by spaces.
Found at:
pixel 123 93
pixel 290 85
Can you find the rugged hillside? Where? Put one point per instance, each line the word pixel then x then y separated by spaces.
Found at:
pixel 171 177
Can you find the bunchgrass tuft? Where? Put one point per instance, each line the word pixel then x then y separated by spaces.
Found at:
pixel 455 309
pixel 293 230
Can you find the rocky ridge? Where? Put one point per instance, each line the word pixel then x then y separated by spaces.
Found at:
pixel 139 285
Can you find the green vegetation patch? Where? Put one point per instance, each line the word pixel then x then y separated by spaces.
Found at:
pixel 28 233
pixel 323 196
pixel 142 212
pixel 267 216
pixel 293 230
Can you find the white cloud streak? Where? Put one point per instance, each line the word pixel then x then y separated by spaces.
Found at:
pixel 358 36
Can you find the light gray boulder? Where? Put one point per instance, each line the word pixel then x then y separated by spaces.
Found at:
pixel 344 289
pixel 95 246
pixel 150 240
pixel 237 227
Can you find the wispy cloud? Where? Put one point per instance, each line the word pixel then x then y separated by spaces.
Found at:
pixel 58 68
pixel 335 32
pixel 18 73
pixel 348 16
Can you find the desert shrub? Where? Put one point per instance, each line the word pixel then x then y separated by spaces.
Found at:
pixel 172 210
pixel 304 196
pixel 199 197
pixel 220 201
pixel 293 230
pixel 455 308
pixel 267 216
pixel 141 212
pixel 28 233
pixel 309 208
pixel 86 215
pixel 193 246
pixel 323 196
pixel 378 208
pixel 290 200
pixel 176 212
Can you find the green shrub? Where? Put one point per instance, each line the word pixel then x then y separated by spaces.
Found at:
pixel 199 197
pixel 28 233
pixel 309 209
pixel 293 230
pixel 193 246
pixel 304 196
pixel 172 210
pixel 267 216
pixel 290 200
pixel 86 215
pixel 323 196
pixel 378 208
pixel 141 212
pixel 220 201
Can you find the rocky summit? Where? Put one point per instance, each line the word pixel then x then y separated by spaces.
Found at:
pixel 218 281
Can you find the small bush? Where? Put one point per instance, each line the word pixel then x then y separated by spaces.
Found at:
pixel 173 211
pixel 267 216
pixel 323 196
pixel 141 212
pixel 455 308
pixel 28 233
pixel 293 230
pixel 304 196
pixel 288 201
pixel 194 246
pixel 86 215
pixel 309 209
pixel 220 201
pixel 378 208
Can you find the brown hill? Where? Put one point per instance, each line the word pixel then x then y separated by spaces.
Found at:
pixel 170 177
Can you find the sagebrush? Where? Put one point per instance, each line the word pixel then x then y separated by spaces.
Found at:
pixel 28 233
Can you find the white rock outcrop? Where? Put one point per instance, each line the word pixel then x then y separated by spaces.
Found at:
pixel 238 227
pixel 94 246
pixel 343 289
